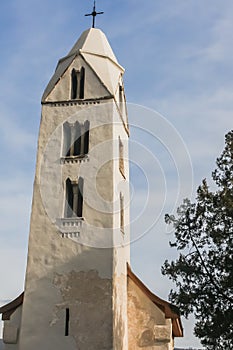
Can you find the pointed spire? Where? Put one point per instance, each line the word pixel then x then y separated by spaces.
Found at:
pixel 94 47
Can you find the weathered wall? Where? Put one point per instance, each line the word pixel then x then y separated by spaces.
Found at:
pixel 89 299
pixel 148 328
pixel 51 255
pixel 84 273
pixel 11 330
pixel 2 346
pixel 121 237
pixel 93 87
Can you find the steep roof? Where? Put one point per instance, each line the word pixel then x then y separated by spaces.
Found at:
pixel 94 47
pixel 169 310
pixel 95 42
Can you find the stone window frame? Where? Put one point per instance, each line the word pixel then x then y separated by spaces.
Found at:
pixel 67 322
pixel 73 207
pixel 78 84
pixel 75 140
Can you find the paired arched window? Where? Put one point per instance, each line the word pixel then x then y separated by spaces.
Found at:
pixel 77 83
pixel 76 139
pixel 74 198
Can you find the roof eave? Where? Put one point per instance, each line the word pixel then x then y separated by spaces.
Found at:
pixel 8 309
pixel 166 307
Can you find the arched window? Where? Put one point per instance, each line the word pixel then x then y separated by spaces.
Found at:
pixel 66 139
pixel 74 198
pixel 69 199
pixel 86 136
pixel 77 136
pixel 80 198
pixel 82 83
pixel 77 83
pixel 121 98
pixel 75 139
pixel 74 84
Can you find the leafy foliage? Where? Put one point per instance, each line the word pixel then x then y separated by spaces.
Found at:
pixel 203 272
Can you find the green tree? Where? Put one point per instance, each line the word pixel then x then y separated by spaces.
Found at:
pixel 203 272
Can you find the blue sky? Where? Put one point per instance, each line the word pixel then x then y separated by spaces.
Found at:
pixel 178 60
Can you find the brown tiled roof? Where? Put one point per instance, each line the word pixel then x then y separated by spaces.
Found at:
pixel 169 310
pixel 8 309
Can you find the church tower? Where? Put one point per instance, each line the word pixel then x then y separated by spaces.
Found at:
pixel 76 280
pixel 80 292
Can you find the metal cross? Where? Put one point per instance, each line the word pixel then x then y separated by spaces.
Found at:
pixel 94 14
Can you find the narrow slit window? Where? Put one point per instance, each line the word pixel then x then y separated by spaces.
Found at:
pixel 74 84
pixel 77 139
pixel 67 322
pixel 80 198
pixel 77 83
pixel 69 199
pixel 82 83
pixel 122 219
pixel 121 98
pixel 121 157
pixel 66 139
pixel 120 93
pixel 86 136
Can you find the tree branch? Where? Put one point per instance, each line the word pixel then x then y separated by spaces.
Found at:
pixel 203 262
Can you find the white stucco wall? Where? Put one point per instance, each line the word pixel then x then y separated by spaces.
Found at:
pixel 1 344
pixel 84 273
pixel 148 327
pixel 11 329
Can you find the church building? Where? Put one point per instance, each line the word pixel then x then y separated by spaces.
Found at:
pixel 80 292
